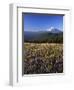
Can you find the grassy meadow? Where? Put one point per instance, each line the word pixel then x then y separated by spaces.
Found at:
pixel 42 58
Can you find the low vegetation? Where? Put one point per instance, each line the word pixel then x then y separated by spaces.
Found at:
pixel 42 58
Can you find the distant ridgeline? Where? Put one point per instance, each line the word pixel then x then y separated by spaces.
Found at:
pixel 54 36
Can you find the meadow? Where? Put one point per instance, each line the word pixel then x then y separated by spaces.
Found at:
pixel 41 58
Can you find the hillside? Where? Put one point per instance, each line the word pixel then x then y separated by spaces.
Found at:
pixel 45 36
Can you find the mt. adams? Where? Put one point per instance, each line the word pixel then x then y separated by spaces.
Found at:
pixel 42 34
pixel 54 30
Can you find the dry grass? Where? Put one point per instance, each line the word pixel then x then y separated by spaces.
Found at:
pixel 43 58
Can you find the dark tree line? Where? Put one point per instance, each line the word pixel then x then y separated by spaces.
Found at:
pixel 52 38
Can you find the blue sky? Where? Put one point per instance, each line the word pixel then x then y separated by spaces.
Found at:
pixel 42 22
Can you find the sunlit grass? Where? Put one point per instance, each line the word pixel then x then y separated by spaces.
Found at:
pixel 48 53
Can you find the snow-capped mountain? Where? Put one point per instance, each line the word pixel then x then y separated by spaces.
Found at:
pixel 43 35
pixel 54 30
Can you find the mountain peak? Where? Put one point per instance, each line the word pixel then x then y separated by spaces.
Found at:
pixel 50 29
pixel 54 30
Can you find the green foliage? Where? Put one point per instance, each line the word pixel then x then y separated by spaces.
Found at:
pixel 47 38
